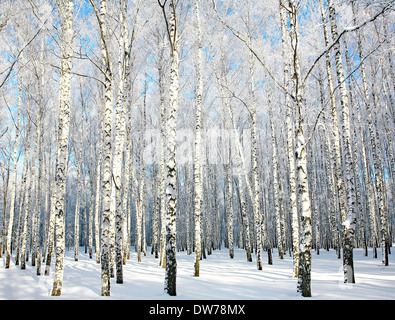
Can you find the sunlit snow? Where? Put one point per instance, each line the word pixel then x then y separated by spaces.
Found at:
pixel 220 278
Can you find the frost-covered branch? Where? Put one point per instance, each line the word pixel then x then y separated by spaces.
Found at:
pixel 341 34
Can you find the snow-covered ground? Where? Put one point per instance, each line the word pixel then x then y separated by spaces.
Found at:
pixel 220 278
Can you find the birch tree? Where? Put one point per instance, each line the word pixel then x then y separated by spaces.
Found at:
pixel 107 151
pixel 334 129
pixel 78 153
pixel 107 194
pixel 66 8
pixel 120 127
pixel 276 186
pixel 14 179
pixel 171 183
pixel 304 274
pixel 40 142
pixel 375 151
pixel 254 156
pixel 290 140
pixel 198 147
pixel 349 221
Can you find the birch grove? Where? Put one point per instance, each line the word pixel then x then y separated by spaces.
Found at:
pixel 166 127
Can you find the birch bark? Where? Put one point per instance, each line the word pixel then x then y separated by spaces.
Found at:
pixel 198 137
pixel 276 186
pixel 19 233
pixel 379 178
pixel 47 173
pixel 51 231
pixel 126 196
pixel 78 152
pixel 163 114
pixel 120 127
pixel 98 193
pixel 28 204
pixel 36 257
pixel 304 274
pixel 106 185
pixel 66 8
pixel 140 212
pixel 13 181
pixel 336 155
pixel 171 192
pixel 162 171
pixel 91 206
pixel 171 181
pixel 229 199
pixel 290 143
pixel 254 156
pixel 348 222
pixel 375 152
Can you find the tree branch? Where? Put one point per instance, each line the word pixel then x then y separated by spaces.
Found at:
pixel 346 30
pixel 337 87
pixel 102 35
pixel 167 24
pixel 80 75
pixel 19 54
pixel 235 33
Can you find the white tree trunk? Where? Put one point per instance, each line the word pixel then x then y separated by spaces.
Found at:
pixel 375 152
pixel 98 198
pixel 106 186
pixel 28 205
pixel 40 141
pixel 163 114
pixel 229 199
pixel 24 185
pixel 51 231
pixel 126 196
pixel 290 143
pixel 78 153
pixel 349 223
pixel 13 181
pixel 91 206
pixel 120 127
pixel 276 186
pixel 66 8
pixel 336 153
pixel 197 164
pixel 254 148
pixel 171 192
pixel 304 274
pixel 140 210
